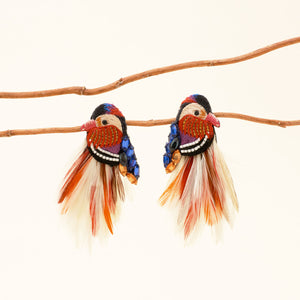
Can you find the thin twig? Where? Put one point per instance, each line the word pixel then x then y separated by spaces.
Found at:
pixel 81 90
pixel 149 123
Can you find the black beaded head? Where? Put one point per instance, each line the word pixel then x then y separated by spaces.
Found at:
pixel 110 109
pixel 199 99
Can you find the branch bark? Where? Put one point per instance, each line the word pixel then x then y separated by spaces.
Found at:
pixel 81 90
pixel 149 123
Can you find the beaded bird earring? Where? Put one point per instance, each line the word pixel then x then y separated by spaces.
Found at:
pixel 93 188
pixel 200 183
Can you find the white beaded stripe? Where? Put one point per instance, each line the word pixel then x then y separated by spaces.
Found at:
pixel 103 156
pixel 196 148
pixel 190 144
pixel 107 152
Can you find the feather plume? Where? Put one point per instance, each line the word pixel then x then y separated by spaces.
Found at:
pixel 91 196
pixel 202 190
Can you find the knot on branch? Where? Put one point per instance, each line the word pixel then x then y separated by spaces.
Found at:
pixel 82 91
pixel 120 82
pixel 281 124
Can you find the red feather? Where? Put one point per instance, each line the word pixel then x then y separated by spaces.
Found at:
pixel 93 209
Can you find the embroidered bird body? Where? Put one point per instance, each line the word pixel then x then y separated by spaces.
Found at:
pixel 93 188
pixel 201 184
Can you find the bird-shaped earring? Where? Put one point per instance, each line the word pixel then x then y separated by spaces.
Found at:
pixel 200 184
pixel 93 188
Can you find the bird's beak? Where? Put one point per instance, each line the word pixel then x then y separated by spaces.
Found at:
pixel 88 125
pixel 211 118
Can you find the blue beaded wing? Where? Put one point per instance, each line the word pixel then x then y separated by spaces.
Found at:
pixel 128 158
pixel 172 145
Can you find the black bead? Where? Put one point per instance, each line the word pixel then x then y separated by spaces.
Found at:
pixel 123 159
pixel 174 144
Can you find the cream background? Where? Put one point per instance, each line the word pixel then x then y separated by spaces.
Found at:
pixel 50 44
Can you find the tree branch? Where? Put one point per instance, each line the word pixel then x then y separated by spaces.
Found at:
pixel 81 90
pixel 149 123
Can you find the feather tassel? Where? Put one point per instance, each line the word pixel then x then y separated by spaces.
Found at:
pixel 93 188
pixel 91 195
pixel 202 189
pixel 200 185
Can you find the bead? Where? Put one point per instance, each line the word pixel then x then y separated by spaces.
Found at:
pixel 130 153
pixel 170 167
pixel 171 137
pixel 123 170
pixel 176 157
pixel 136 171
pixel 174 145
pixel 123 159
pixel 167 147
pixel 125 143
pixel 132 163
pixel 131 178
pixel 174 129
pixel 166 160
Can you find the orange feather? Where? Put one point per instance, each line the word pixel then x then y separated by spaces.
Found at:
pixel 93 210
pixel 74 175
pixel 107 199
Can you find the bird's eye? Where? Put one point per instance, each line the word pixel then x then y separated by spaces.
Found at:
pixel 196 112
pixel 104 122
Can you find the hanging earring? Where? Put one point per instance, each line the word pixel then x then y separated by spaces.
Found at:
pixel 200 184
pixel 93 188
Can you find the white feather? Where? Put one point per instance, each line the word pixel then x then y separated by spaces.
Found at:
pixel 198 194
pixel 77 208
